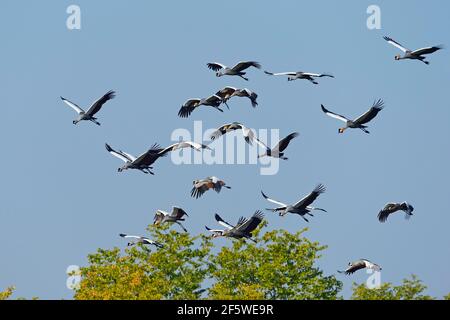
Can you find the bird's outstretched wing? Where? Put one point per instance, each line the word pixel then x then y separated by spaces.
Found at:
pixel 72 105
pixel 318 75
pixel 150 156
pixel 281 73
pixel 396 44
pixel 216 66
pixel 225 92
pixel 97 105
pixel 225 129
pixel 242 65
pixel 371 113
pixel 310 198
pixel 427 50
pixel 333 115
pixel 178 213
pixel 283 143
pixel 118 154
pixel 273 201
pixel 223 222
pixel 200 188
pixel 251 224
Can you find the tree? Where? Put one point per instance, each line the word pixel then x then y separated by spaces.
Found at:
pixel 280 266
pixel 410 289
pixel 176 271
pixel 4 295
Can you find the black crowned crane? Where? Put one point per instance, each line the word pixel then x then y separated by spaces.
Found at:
pixel 277 151
pixel 358 123
pixel 360 264
pixel 228 92
pixel 391 208
pixel 291 76
pixel 243 228
pixel 248 134
pixel 190 105
pixel 139 239
pixel 93 109
pixel 142 163
pixel 237 70
pixel 175 216
pixel 302 207
pixel 412 55
pixel 203 185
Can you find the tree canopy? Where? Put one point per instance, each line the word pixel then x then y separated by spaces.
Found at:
pixel 279 266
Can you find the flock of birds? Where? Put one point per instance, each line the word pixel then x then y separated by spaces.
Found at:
pixel 245 226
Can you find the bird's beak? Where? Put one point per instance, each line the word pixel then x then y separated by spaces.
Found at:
pixel 341 130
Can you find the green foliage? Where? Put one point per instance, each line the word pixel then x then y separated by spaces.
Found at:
pixel 4 295
pixel 410 289
pixel 279 266
pixel 173 272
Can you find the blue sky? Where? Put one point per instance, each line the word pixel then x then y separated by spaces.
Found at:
pixel 62 197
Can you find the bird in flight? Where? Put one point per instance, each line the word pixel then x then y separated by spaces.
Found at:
pixel 243 229
pixel 142 240
pixel 142 162
pixel 192 104
pixel 228 92
pixel 175 216
pixel 93 109
pixel 277 151
pixel 358 123
pixel 391 208
pixel 360 264
pixel 291 76
pixel 413 55
pixel 248 134
pixel 203 185
pixel 237 70
pixel 302 207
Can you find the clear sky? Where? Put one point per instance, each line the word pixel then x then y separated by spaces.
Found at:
pixel 62 197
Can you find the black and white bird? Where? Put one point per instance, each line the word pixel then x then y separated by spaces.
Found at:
pixel 277 151
pixel 243 228
pixel 413 55
pixel 291 76
pixel 183 145
pixel 360 264
pixel 139 239
pixel 248 134
pixel 358 123
pixel 203 185
pixel 93 109
pixel 228 92
pixel 175 216
pixel 393 207
pixel 237 70
pixel 302 207
pixel 190 105
pixel 142 163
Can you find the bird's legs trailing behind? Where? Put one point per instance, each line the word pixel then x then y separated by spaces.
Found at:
pixel 94 120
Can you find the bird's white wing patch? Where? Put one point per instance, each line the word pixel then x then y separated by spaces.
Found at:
pixel 73 105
